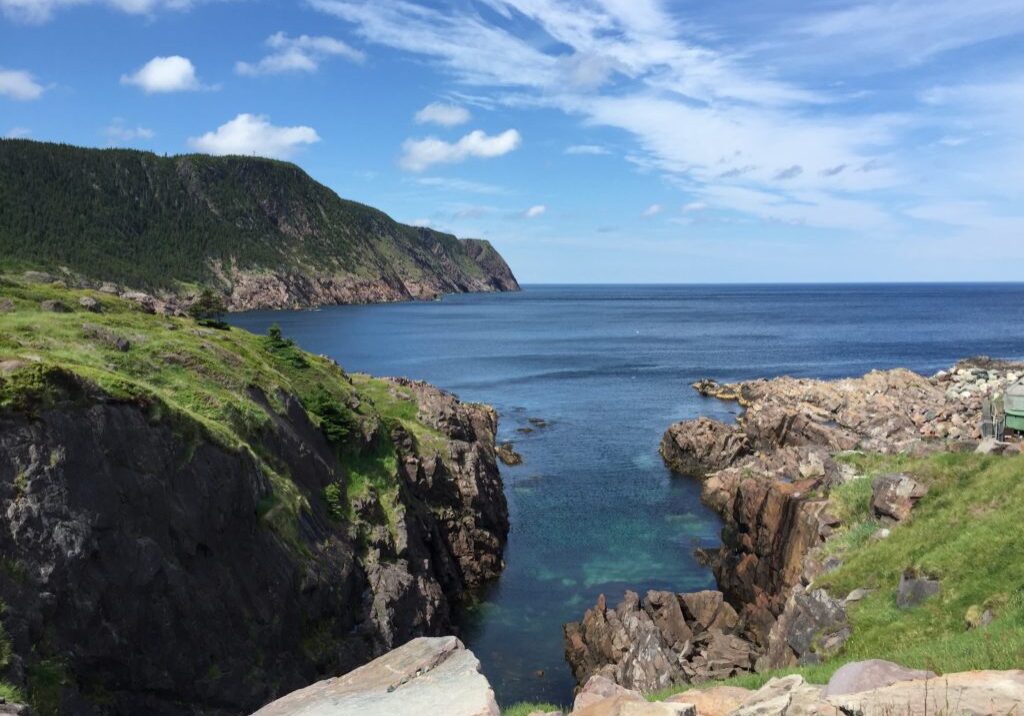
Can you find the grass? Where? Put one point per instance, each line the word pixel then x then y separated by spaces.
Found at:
pixel 965 531
pixel 523 708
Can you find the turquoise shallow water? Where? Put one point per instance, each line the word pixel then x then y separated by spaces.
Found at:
pixel 593 509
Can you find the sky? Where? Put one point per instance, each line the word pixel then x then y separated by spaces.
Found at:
pixel 592 141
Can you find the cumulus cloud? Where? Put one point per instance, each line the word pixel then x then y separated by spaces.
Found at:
pixel 298 54
pixel 653 210
pixel 586 149
pixel 39 11
pixel 118 133
pixel 165 74
pixel 534 211
pixel 253 134
pixel 419 154
pixel 447 115
pixel 19 84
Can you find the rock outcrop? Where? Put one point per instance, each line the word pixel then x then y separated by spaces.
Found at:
pixel 151 568
pixel 768 475
pixel 425 676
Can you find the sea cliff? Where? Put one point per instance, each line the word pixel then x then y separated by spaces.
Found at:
pixel 199 520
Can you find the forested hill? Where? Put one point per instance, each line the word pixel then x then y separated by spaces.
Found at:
pixel 261 231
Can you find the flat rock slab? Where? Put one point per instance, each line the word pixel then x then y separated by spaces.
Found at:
pixel 625 705
pixel 716 701
pixel 429 675
pixel 858 676
pixel 976 693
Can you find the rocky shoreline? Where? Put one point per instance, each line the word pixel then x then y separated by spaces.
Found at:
pixel 769 476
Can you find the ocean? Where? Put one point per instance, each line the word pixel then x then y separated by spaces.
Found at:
pixel 607 369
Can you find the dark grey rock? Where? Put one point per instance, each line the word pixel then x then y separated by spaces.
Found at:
pixel 913 590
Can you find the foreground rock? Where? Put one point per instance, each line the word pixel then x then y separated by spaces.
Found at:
pixel 425 676
pixel 864 688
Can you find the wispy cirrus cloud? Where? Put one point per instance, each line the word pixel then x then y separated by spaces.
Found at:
pixel 304 53
pixel 39 11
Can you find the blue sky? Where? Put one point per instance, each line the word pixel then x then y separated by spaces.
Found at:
pixel 590 140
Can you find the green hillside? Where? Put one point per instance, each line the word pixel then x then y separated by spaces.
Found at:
pixel 153 222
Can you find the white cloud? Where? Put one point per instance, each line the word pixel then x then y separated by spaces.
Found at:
pixel 165 74
pixel 118 133
pixel 298 54
pixel 253 134
pixel 38 11
pixel 653 210
pixel 586 149
pixel 19 84
pixel 695 206
pixel 447 115
pixel 418 154
pixel 17 133
pixel 534 211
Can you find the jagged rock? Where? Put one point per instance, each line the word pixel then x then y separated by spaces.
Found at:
pixel 979 693
pixel 716 701
pixel 702 446
pixel 665 639
pixel 425 676
pixel 90 304
pixel 858 676
pixel 913 590
pixel 893 496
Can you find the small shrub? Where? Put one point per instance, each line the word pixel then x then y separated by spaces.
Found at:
pixel 283 348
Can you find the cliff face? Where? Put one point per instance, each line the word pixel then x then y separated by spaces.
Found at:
pixel 260 231
pixel 164 557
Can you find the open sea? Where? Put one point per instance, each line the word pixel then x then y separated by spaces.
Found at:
pixel 593 508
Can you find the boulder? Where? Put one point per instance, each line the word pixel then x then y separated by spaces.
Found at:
pixel 786 696
pixel 627 706
pixel 893 496
pixel 858 676
pixel 38 277
pixel 54 306
pixel 6 305
pixel 507 454
pixel 716 701
pixel 9 709
pixel 428 675
pixel 971 692
pixel 599 688
pixel 818 627
pixel 90 304
pixel 913 590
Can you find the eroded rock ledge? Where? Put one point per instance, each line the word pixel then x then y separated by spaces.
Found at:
pixel 768 476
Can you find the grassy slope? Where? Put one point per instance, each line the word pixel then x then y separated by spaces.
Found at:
pixel 156 222
pixel 967 532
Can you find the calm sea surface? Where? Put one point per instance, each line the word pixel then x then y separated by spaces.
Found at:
pixel 609 367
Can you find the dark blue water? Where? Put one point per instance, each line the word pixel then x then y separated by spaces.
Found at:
pixel 609 367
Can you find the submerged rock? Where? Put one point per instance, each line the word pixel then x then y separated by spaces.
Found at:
pixel 425 676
